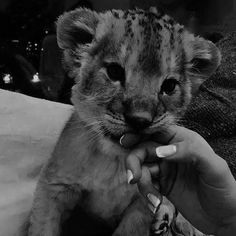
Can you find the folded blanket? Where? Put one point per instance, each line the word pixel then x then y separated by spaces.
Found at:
pixel 29 129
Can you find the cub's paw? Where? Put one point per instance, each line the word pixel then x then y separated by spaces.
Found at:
pixel 163 219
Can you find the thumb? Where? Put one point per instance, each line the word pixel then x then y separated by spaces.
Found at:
pixel 176 152
pixel 198 153
pixel 184 145
pixel 172 133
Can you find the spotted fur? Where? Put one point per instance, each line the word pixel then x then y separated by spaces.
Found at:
pixel 135 71
pixel 150 46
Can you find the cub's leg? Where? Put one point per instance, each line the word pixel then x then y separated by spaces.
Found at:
pixel 50 203
pixel 136 220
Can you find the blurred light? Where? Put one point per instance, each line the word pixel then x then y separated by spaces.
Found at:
pixel 46 31
pixel 15 41
pixel 7 78
pixel 35 78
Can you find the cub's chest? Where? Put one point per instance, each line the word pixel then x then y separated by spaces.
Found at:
pixel 109 194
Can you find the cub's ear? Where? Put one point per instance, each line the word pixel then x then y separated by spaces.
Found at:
pixel 76 28
pixel 202 58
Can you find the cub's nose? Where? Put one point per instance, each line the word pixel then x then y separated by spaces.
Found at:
pixel 138 120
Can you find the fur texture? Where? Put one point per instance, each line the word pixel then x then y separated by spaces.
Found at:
pixel 135 72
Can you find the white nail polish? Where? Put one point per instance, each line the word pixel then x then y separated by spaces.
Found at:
pixel 165 151
pixel 152 208
pixel 154 200
pixel 130 176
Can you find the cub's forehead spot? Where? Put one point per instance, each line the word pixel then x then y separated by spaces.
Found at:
pixel 142 38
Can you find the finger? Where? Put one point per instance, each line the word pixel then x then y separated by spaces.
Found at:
pixel 129 140
pixel 199 155
pixel 133 165
pixel 167 177
pixel 150 193
pixel 196 152
pixel 177 152
pixel 146 152
pixel 150 150
pixel 154 170
pixel 185 151
pixel 172 133
pixel 166 135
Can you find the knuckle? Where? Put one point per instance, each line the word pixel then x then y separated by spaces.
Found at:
pixel 145 171
pixel 139 153
pixel 190 147
pixel 145 175
pixel 137 175
pixel 129 162
pixel 224 167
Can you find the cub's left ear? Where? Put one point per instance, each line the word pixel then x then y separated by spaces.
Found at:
pixel 202 57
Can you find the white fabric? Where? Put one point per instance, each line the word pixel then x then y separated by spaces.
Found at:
pixel 29 129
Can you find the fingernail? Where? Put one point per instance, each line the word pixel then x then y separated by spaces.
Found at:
pixel 122 137
pixel 154 200
pixel 152 208
pixel 165 151
pixel 130 176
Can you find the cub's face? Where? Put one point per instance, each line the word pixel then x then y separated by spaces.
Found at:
pixel 135 70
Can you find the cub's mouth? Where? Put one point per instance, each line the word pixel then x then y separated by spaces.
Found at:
pixel 130 139
pixel 140 125
pixel 115 134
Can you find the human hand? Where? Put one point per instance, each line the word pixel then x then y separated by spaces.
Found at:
pixel 196 180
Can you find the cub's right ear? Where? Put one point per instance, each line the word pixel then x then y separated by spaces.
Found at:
pixel 76 28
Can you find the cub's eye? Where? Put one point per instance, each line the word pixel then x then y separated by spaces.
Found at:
pixel 169 85
pixel 115 72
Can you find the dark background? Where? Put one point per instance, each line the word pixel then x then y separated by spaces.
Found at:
pixel 30 61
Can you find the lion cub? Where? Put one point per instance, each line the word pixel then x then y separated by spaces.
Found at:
pixel 135 72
